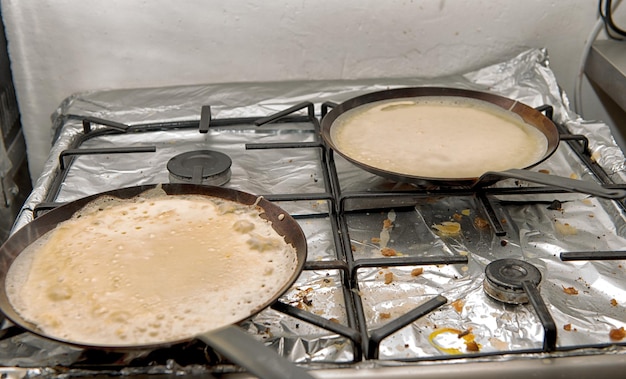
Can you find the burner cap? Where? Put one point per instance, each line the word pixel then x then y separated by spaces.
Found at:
pixel 504 277
pixel 200 167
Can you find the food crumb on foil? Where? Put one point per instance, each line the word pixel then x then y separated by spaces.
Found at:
pixel 417 271
pixel 570 290
pixel 481 223
pixel 448 228
pixel 617 334
pixel 388 252
pixel 569 328
pixel 458 305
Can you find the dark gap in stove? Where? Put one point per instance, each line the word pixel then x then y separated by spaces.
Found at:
pixel 11 331
pixel 189 353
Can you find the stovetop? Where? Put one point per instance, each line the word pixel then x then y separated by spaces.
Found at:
pixel 387 285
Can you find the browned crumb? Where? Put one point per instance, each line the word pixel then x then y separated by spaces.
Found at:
pixel 544 171
pixel 457 217
pixel 567 327
pixel 387 224
pixel 388 252
pixel 388 277
pixel 472 346
pixel 617 334
pixel 614 302
pixel 352 247
pixel 332 319
pixel 417 271
pixel 458 305
pixel 481 223
pixel 570 290
pixel 385 315
pixel 375 240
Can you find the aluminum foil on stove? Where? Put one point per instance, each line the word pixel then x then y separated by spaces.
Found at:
pixel 586 299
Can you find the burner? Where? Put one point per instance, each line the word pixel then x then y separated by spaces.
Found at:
pixel 504 278
pixel 200 167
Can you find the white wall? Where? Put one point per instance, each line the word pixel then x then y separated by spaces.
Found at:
pixel 59 47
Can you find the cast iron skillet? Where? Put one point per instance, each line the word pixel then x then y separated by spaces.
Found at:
pixel 530 115
pixel 230 341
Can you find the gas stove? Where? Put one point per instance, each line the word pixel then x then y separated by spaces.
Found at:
pixel 400 281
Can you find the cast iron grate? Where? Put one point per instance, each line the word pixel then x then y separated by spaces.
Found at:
pixel 364 339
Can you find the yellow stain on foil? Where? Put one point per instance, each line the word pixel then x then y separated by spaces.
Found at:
pixel 451 341
pixel 448 228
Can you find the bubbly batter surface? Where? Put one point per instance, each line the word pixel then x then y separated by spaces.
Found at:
pixel 434 137
pixel 150 271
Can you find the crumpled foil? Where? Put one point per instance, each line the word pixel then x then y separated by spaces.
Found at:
pixel 586 298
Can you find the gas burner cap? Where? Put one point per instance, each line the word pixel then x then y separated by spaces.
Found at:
pixel 504 277
pixel 200 167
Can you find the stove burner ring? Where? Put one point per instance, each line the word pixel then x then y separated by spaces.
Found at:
pixel 200 167
pixel 504 278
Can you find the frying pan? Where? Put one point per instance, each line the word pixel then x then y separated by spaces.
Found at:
pixel 530 115
pixel 229 340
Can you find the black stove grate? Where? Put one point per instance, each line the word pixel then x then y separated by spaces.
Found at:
pixel 364 339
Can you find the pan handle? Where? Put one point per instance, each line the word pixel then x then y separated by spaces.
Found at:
pixel 258 359
pixel 573 185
